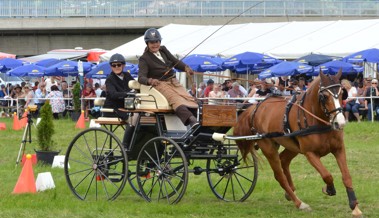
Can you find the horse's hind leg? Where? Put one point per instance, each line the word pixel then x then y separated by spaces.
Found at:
pixel 315 161
pixel 286 156
pixel 269 150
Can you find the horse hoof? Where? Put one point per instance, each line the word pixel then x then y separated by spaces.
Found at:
pixel 305 207
pixel 357 213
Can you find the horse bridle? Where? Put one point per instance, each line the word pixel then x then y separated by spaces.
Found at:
pixel 322 99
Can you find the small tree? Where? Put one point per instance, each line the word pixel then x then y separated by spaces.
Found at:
pixel 76 97
pixel 45 128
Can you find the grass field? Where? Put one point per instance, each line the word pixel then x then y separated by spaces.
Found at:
pixel 267 200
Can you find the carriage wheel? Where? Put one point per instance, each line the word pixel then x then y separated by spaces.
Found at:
pixel 96 165
pixel 162 171
pixel 132 176
pixel 230 178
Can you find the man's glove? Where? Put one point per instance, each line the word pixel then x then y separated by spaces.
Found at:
pixel 153 82
pixel 188 70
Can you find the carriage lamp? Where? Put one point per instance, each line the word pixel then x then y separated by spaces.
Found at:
pixel 129 103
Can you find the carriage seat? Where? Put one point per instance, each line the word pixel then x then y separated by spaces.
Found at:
pixel 152 96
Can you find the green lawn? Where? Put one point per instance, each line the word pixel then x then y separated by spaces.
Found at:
pixel 267 200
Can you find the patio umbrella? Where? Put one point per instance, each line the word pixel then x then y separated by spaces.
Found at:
pixel 316 59
pixel 67 68
pixel 368 55
pixel 203 63
pixel 9 63
pixel 102 70
pixel 30 70
pixel 256 68
pixel 333 67
pixel 48 62
pixel 247 59
pixel 287 68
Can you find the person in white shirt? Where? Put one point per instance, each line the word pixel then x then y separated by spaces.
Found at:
pixel 352 103
pixel 98 90
pixel 50 82
pixel 216 93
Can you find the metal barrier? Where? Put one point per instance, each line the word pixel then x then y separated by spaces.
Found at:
pixel 188 8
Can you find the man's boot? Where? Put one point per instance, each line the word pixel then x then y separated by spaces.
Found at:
pixel 127 136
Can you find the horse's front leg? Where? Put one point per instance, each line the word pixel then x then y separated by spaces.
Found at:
pixel 315 161
pixel 340 156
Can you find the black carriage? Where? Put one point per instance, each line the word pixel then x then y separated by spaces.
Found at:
pixel 161 154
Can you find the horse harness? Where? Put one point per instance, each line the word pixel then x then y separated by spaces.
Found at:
pixel 306 129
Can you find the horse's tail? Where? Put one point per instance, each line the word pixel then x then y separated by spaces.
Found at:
pixel 243 128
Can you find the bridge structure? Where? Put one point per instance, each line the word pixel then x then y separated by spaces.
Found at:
pixel 30 27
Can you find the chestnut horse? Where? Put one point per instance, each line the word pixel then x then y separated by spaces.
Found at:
pixel 311 124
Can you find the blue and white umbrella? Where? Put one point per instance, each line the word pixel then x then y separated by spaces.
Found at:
pixel 67 68
pixel 102 70
pixel 203 63
pixel 287 68
pixel 248 61
pixel 7 64
pixel 333 67
pixel 368 55
pixel 30 70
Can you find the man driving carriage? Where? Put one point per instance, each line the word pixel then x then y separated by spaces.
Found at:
pixel 156 68
pixel 117 91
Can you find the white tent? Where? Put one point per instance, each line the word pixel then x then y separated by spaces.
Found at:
pixel 284 40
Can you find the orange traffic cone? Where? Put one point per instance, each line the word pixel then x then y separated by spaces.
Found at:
pixel 16 122
pixel 24 119
pixel 3 126
pixel 81 124
pixel 26 182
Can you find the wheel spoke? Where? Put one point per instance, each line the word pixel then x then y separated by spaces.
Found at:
pixel 89 186
pixel 81 162
pixel 239 183
pixel 80 171
pixel 102 148
pixel 226 187
pixel 84 154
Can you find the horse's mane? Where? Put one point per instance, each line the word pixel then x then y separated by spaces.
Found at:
pixel 314 86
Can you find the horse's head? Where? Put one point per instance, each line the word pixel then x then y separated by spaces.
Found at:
pixel 330 97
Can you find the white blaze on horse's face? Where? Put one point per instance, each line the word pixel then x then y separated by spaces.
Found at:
pixel 340 118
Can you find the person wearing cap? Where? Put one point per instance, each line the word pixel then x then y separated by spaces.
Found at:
pixel 209 88
pixel 372 91
pixel 156 68
pixel 117 89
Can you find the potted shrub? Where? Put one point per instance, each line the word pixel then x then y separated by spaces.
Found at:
pixel 76 102
pixel 45 131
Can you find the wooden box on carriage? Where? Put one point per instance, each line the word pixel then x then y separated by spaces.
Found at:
pixel 219 115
